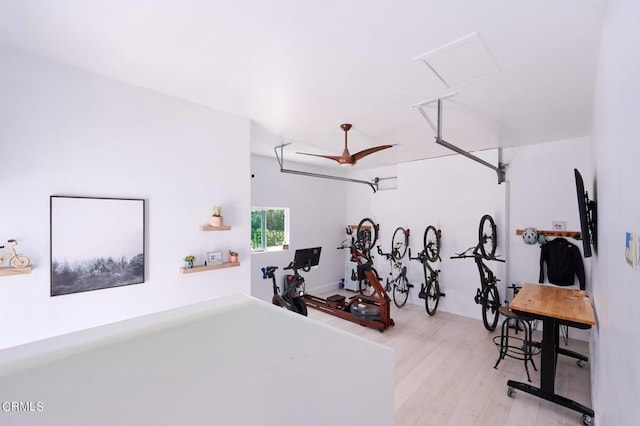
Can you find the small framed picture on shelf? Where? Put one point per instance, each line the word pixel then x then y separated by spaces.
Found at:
pixel 214 257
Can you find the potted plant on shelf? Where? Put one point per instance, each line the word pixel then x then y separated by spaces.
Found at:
pixel 233 256
pixel 216 217
pixel 188 261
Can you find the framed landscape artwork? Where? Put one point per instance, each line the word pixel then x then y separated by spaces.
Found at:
pixel 96 243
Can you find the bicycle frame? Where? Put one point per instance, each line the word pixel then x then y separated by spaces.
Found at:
pixel 400 283
pixel 488 281
pixel 395 265
pixel 430 281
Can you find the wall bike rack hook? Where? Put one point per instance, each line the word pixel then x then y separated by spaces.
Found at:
pixel 500 169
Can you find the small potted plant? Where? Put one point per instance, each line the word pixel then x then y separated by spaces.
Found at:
pixel 216 217
pixel 188 261
pixel 233 256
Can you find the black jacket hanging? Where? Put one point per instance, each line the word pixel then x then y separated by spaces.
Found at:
pixel 564 262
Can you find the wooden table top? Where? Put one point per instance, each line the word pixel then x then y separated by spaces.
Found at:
pixel 568 304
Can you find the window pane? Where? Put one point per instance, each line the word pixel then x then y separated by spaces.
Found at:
pixel 256 230
pixel 275 228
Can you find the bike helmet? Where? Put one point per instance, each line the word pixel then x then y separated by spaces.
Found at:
pixel 530 236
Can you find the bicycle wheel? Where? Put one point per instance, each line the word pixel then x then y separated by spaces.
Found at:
pixel 488 238
pixel 19 261
pixel 490 305
pixel 399 243
pixel 401 291
pixel 432 296
pixel 431 243
pixel 366 234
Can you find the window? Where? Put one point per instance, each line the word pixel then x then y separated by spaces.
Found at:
pixel 269 228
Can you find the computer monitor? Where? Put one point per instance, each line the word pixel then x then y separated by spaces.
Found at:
pixel 306 258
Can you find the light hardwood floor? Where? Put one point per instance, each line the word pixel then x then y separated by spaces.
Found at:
pixel 444 372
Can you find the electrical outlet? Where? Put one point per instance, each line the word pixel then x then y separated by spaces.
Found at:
pixel 558 225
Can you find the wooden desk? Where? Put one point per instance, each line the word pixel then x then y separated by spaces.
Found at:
pixel 555 306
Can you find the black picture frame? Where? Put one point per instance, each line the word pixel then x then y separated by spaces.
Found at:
pixel 96 243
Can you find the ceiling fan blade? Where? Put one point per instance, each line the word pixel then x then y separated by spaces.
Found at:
pixel 337 158
pixel 365 152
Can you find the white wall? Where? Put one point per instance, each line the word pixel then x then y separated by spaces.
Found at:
pixel 542 189
pixel 69 132
pixel 451 193
pixel 616 287
pixel 316 208
pixel 250 373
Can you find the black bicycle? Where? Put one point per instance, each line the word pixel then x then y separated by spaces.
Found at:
pixel 361 245
pixel 430 289
pixel 398 273
pixel 487 295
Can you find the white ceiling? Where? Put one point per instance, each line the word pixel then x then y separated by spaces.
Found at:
pixel 301 68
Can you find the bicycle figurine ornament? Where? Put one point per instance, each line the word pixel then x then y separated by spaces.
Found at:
pixel 487 295
pixel 430 290
pixel 15 260
pixel 398 273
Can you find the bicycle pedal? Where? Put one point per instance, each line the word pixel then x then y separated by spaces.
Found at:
pixel 442 295
pixel 409 285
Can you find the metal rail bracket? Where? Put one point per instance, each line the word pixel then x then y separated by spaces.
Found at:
pixel 500 169
pixel 373 185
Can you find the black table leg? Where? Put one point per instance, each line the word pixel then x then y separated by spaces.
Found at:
pixel 548 354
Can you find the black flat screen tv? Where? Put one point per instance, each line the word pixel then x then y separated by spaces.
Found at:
pixel 306 258
pixel 587 211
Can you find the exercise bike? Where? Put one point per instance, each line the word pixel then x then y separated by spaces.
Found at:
pixel 292 297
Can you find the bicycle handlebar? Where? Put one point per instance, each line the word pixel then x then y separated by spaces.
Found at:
pixel 421 257
pixel 267 271
pixel 463 255
pixel 386 255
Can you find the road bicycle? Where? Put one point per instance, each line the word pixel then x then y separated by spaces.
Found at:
pixel 15 260
pixel 487 295
pixel 398 273
pixel 430 289
pixel 360 246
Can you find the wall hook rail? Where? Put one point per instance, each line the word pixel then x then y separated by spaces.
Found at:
pixel 500 169
pixel 373 185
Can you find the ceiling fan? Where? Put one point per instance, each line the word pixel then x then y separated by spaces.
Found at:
pixel 346 158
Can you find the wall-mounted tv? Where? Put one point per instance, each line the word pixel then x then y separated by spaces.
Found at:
pixel 588 216
pixel 306 258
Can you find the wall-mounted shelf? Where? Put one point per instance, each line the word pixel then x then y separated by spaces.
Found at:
pixel 354 227
pixel 577 235
pixel 214 228
pixel 203 268
pixel 7 270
